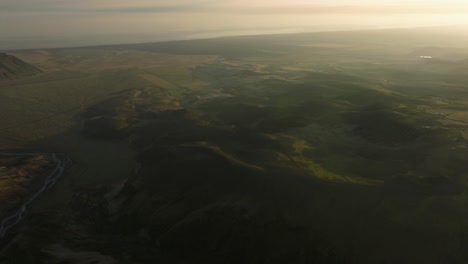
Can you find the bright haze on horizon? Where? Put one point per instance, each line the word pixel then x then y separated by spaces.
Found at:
pixel 55 23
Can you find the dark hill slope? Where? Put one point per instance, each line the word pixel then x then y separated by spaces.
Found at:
pixel 14 68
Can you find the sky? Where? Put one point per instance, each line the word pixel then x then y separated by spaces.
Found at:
pixel 55 23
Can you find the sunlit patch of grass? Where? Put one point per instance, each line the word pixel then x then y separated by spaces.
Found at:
pixel 297 145
pixel 229 157
pixel 318 171
pixel 310 166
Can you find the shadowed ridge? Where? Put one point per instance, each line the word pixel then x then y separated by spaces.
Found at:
pixel 14 68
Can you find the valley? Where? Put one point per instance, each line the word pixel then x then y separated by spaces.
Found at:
pixel 329 147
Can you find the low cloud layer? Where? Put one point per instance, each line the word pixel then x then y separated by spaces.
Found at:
pixel 230 6
pixel 102 21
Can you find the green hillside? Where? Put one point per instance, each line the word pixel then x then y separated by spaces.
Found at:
pixel 328 148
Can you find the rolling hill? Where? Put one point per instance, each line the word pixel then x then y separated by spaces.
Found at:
pixel 327 148
pixel 14 68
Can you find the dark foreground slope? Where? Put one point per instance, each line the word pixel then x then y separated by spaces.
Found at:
pixel 13 68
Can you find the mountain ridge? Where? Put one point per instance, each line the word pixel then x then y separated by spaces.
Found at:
pixel 13 68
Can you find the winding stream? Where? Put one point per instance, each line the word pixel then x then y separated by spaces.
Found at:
pixel 61 161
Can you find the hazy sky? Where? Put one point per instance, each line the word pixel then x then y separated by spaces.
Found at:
pixel 30 23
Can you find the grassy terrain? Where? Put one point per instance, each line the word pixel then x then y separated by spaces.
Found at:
pixel 338 147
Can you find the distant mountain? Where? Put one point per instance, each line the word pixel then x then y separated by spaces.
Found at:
pixel 14 68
